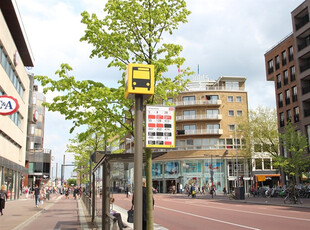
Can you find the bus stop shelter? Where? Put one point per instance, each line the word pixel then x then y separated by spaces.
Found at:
pixel 105 159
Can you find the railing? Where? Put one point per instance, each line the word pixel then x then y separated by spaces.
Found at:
pixel 204 131
pixel 199 102
pixel 199 117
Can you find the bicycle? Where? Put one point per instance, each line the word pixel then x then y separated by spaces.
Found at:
pixel 292 198
pixel 232 196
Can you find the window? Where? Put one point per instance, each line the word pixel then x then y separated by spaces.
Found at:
pixel 231 113
pixel 231 85
pixel 270 66
pixel 212 113
pixel 238 98
pixel 257 147
pixel 290 53
pixel 169 100
pixel 277 62
pixel 279 81
pixel 231 127
pixel 287 97
pixel 258 164
pixel 267 164
pixel 229 143
pixel 189 127
pixel 292 73
pixel 230 99
pixel 188 100
pixel 289 115
pixel 294 90
pixel 281 119
pixel 280 100
pixel 296 114
pixel 189 114
pixel 239 113
pixel 285 74
pixel 212 99
pixel 213 128
pixel 284 58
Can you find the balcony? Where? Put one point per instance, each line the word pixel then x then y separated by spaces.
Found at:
pixel 200 132
pixel 302 22
pixel 199 117
pixel 198 102
pixel 305 90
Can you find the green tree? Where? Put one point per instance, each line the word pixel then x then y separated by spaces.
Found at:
pixel 71 182
pixel 296 159
pixel 132 31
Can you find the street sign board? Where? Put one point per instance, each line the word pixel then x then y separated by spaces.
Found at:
pixel 139 79
pixel 160 127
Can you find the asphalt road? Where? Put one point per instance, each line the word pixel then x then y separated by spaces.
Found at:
pixel 181 212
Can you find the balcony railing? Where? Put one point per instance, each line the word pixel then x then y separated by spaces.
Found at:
pixel 199 117
pixel 198 102
pixel 203 131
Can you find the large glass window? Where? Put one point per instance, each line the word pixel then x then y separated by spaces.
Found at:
pixel 231 85
pixel 270 66
pixel 267 164
pixel 280 100
pixel 212 113
pixel 277 62
pixel 296 114
pixel 189 114
pixel 212 99
pixel 279 81
pixel 213 128
pixel 172 168
pixel 189 127
pixel 285 74
pixel 188 100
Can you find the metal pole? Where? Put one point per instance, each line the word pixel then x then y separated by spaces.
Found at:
pixel 237 167
pixel 138 161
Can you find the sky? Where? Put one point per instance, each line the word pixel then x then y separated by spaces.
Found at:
pixel 222 37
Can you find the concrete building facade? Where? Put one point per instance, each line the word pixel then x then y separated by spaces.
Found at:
pixel 15 55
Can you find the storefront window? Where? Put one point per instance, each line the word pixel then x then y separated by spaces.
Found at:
pixel 214 173
pixel 156 169
pixel 172 168
pixel 192 167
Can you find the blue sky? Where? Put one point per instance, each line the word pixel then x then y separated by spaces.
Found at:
pixel 223 37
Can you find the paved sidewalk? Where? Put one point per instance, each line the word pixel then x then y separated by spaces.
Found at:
pixel 56 213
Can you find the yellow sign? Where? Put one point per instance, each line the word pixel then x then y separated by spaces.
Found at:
pixel 139 79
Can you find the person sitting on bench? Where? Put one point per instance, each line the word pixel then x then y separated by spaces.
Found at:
pixel 117 215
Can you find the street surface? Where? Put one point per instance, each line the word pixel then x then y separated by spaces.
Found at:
pixel 178 212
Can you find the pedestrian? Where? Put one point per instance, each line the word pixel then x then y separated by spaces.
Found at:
pixel 67 193
pixel 75 192
pixel 36 193
pixel 117 215
pixel 3 197
pixel 144 204
pixel 127 191
pixel 27 192
pixel 224 191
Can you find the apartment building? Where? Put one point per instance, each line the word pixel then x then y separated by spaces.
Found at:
pixel 207 144
pixel 288 65
pixel 15 55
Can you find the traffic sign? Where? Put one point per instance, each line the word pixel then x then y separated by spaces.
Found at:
pixel 139 79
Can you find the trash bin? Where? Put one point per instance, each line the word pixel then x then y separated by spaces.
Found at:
pixel 239 193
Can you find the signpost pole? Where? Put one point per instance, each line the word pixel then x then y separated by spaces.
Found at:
pixel 138 161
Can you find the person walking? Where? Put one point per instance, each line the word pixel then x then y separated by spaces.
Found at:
pixel 3 197
pixel 36 193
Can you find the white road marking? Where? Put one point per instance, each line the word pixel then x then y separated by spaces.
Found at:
pixel 255 213
pixel 207 218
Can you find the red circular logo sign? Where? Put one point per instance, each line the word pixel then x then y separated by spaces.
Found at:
pixel 8 105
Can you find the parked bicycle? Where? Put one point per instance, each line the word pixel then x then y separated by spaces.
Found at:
pixel 292 197
pixel 232 196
